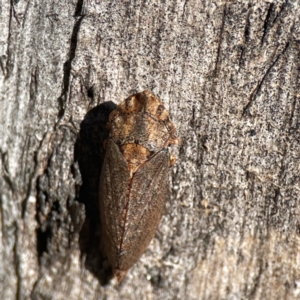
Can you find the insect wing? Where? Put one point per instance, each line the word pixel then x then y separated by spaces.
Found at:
pixel 147 197
pixel 114 182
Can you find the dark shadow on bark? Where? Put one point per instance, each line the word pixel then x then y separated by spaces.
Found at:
pixel 89 152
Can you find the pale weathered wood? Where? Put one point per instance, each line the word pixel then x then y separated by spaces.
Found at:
pixel 228 72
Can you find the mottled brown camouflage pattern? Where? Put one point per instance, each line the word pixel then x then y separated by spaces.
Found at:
pixel 134 179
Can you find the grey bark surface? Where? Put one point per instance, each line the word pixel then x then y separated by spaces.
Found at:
pixel 227 71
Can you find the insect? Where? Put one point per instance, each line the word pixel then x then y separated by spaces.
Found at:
pixel 134 181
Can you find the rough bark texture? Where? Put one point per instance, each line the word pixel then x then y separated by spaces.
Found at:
pixel 227 71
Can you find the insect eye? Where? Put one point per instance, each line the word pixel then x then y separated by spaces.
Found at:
pixel 160 110
pixel 129 102
pixel 162 113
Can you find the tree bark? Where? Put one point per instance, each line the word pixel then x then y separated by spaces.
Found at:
pixel 227 71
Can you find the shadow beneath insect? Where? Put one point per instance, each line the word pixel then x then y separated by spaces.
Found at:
pixel 89 152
